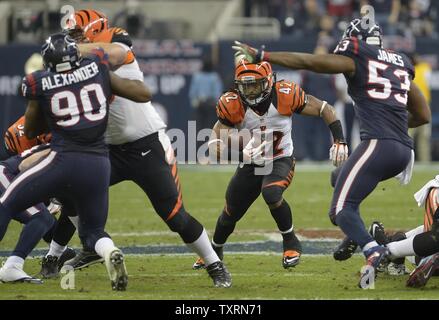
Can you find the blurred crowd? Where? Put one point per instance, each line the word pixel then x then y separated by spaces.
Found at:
pixel 308 17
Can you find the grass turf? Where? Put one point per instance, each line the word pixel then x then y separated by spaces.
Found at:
pixel 132 221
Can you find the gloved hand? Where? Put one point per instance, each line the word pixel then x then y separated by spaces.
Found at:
pixel 253 154
pixel 338 153
pixel 251 54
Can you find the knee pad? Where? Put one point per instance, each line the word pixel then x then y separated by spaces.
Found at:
pixel 272 194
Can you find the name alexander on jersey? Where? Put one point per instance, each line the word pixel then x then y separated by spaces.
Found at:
pixel 390 57
pixel 65 79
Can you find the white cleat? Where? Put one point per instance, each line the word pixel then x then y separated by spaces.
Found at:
pixel 116 270
pixel 15 273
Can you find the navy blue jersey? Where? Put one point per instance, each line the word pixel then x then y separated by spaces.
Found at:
pixel 74 103
pixel 379 89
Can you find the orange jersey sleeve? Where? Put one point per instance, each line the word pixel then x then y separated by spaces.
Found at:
pixel 15 140
pixel 290 98
pixel 117 35
pixel 229 109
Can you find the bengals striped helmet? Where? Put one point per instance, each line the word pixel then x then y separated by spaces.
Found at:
pixel 254 81
pixel 91 22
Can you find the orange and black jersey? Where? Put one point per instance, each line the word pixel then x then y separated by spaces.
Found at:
pixel 119 35
pixel 287 97
pixel 16 142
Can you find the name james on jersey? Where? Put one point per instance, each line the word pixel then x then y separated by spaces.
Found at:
pixel 390 57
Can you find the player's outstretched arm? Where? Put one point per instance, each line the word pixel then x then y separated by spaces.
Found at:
pixel 315 107
pixel 321 63
pixel 134 90
pixel 116 53
pixel 419 111
pixel 34 123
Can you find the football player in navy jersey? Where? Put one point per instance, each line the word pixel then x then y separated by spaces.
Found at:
pixel 387 103
pixel 140 151
pixel 70 99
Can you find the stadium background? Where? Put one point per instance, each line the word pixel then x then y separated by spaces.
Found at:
pixel 171 45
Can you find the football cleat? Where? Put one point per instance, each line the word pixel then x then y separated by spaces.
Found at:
pixel 423 272
pixel 51 265
pixel 291 258
pixel 395 269
pixel 117 271
pixel 345 249
pixel 220 275
pixel 15 273
pixel 199 263
pixel 377 232
pixel 374 257
pixel 84 259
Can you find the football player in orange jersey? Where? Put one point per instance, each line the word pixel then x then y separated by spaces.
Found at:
pixel 16 142
pixel 263 106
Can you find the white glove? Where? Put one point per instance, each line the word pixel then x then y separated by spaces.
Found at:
pixel 254 154
pixel 54 206
pixel 250 54
pixel 338 153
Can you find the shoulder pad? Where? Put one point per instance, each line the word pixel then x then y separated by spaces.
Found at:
pixel 229 109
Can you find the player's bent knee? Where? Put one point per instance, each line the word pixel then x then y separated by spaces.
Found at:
pixel 272 195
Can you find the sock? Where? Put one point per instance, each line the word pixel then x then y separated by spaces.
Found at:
pixel 33 232
pixel 370 245
pixel 224 228
pixel 403 248
pixel 192 230
pixel 350 222
pixel 65 229
pixel 49 234
pixel 55 249
pixel 283 217
pixel 103 246
pixel 204 249
pixel 414 231
pixel 14 261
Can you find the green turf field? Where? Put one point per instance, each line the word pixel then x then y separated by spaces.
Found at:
pixel 132 222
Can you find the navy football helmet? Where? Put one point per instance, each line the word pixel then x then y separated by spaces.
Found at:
pixel 371 33
pixel 60 53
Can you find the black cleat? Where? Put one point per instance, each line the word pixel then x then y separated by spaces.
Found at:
pixel 220 275
pixel 84 259
pixel 291 258
pixel 345 249
pixel 377 232
pixel 51 265
pixel 67 255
